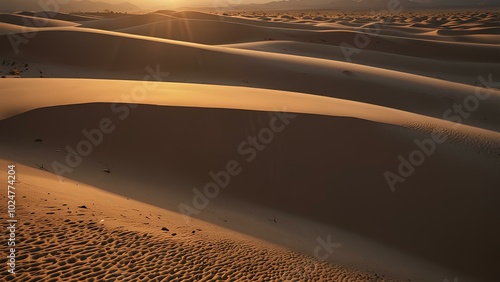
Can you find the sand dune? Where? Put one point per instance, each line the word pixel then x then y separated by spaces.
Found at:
pixel 196 15
pixel 224 83
pixel 59 16
pixel 461 72
pixel 31 21
pixel 6 28
pixel 125 21
pixel 202 31
pixel 193 15
pixel 188 62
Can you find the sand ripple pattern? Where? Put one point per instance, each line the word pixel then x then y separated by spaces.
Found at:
pixel 83 250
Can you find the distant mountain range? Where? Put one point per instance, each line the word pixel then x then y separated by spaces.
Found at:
pixel 72 6
pixel 368 4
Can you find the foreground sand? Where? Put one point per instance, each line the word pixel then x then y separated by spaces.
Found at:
pixel 73 232
pixel 221 80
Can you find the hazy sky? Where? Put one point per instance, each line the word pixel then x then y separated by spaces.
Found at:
pixel 152 4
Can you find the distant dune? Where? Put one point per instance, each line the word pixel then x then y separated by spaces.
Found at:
pixel 253 146
pixel 68 6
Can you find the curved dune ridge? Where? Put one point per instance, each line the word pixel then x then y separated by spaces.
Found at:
pixel 188 62
pixel 186 95
pixel 120 123
pixel 32 21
